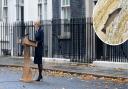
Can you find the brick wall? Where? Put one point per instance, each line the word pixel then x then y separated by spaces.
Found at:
pixel 56 8
pixel 77 8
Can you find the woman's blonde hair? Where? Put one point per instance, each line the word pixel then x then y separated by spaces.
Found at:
pixel 37 22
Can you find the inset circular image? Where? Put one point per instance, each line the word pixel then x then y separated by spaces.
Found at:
pixel 110 21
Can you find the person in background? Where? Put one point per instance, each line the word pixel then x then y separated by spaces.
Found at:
pixel 39 38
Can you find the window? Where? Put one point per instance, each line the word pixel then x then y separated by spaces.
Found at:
pixel 5 14
pixel 39 1
pixel 65 29
pixel 5 2
pixel 45 2
pixel 19 12
pixel 5 19
pixel 5 11
pixel 65 16
pixel 45 6
pixel 65 12
pixel 40 9
pixel 21 2
pixel 65 2
pixel 0 10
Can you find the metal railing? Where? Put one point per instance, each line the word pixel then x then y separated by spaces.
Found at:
pixel 72 39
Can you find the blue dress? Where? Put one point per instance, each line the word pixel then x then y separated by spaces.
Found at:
pixel 39 37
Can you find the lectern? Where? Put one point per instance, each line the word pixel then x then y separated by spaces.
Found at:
pixel 27 72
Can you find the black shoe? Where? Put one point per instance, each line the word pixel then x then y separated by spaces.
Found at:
pixel 39 78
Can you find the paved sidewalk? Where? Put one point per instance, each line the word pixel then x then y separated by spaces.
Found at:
pixel 11 81
pixel 70 67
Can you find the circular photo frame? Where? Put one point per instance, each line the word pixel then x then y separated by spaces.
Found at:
pixel 110 21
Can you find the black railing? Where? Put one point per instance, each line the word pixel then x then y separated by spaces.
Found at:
pixel 73 39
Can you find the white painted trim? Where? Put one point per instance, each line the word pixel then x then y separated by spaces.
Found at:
pixel 46 59
pixel 107 64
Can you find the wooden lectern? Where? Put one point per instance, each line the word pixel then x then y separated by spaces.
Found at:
pixel 27 72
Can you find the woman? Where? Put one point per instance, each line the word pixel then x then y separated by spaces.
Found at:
pixel 39 36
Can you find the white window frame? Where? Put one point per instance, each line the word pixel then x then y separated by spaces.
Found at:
pixel 65 6
pixel 17 12
pixel 39 1
pixel 5 10
pixel 5 14
pixel 65 13
pixel 45 7
pixel 65 28
pixel 19 3
pixel 45 1
pixel 5 3
pixel 0 10
pixel 40 9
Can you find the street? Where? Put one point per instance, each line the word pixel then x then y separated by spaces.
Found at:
pixel 9 79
